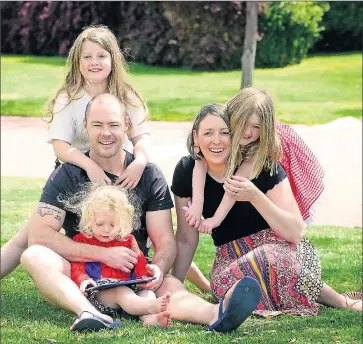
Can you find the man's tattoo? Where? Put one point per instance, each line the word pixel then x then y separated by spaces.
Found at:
pixel 45 209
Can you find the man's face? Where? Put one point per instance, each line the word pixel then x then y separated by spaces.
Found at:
pixel 106 128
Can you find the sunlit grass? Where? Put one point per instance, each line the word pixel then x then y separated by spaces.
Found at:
pixel 319 90
pixel 26 318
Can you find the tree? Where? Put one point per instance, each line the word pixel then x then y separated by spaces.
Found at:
pixel 250 42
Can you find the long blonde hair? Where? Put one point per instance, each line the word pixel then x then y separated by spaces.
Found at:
pixel 117 83
pixel 99 196
pixel 266 151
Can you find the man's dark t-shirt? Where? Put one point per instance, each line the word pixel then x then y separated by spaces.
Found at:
pixel 152 191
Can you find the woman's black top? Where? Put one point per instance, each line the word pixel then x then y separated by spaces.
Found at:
pixel 243 219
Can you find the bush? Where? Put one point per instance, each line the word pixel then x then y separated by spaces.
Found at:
pixel 38 27
pixel 289 30
pixel 343 27
pixel 198 35
pixel 207 33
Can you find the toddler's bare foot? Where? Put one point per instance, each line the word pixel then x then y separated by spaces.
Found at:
pixel 160 304
pixel 162 319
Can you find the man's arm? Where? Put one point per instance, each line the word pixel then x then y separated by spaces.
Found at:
pixel 44 226
pixel 160 229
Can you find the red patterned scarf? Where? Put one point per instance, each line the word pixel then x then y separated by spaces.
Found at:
pixel 304 170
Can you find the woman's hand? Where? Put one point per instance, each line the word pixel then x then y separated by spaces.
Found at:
pixel 85 284
pixel 241 189
pixel 193 214
pixel 131 176
pixel 208 225
pixel 96 173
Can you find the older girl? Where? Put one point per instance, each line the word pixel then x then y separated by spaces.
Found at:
pixel 96 65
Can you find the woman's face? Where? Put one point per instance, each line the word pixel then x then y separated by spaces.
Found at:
pixel 95 65
pixel 213 139
pixel 252 132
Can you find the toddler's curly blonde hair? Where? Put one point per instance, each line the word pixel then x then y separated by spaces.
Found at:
pixel 99 196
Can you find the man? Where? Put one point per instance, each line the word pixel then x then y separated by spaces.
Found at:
pixel 49 253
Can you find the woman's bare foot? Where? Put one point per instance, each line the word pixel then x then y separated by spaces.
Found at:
pixel 354 305
pixel 160 304
pixel 162 319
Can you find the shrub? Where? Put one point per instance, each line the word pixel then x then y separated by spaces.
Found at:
pixel 343 27
pixel 289 30
pixel 199 35
pixel 207 33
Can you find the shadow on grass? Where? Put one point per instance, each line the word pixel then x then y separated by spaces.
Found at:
pixel 357 113
pixel 45 60
pixel 334 54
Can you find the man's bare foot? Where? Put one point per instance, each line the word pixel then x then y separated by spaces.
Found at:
pixel 160 304
pixel 162 319
pixel 225 303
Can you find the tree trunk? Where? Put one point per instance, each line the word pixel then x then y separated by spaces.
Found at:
pixel 249 46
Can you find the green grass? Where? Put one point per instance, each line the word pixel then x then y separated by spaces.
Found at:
pixel 319 90
pixel 26 318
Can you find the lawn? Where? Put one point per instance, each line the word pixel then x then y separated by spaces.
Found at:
pixel 319 90
pixel 26 318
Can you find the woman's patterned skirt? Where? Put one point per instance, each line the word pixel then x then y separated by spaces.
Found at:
pixel 289 274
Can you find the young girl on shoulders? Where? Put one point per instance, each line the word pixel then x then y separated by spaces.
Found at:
pixel 304 171
pixel 96 65
pixel 107 219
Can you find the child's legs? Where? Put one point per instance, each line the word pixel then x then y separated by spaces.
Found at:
pixel 130 302
pixel 163 318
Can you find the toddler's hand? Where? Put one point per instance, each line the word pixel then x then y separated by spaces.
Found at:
pixel 193 214
pixel 85 284
pixel 132 175
pixel 208 225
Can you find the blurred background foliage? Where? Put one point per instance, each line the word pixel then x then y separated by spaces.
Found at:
pixel 196 35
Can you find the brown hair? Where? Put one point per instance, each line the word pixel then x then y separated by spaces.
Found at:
pixel 217 110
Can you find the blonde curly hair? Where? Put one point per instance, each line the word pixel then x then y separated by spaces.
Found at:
pixel 99 196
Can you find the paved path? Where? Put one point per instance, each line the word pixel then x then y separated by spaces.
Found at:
pixel 338 145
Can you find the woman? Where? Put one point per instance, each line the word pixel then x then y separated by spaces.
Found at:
pixel 262 235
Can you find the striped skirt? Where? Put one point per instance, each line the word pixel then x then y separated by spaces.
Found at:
pixel 289 274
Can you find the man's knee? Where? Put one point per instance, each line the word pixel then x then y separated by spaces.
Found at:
pixel 30 255
pixel 170 284
pixel 38 256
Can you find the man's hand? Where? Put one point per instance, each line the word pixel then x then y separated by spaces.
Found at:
pixel 153 271
pixel 121 258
